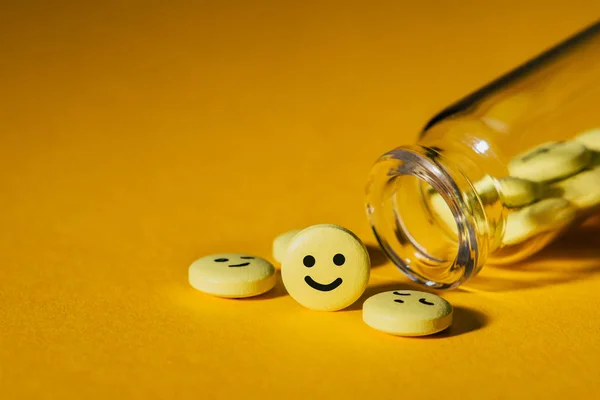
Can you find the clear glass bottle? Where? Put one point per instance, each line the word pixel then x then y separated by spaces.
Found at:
pixel 498 175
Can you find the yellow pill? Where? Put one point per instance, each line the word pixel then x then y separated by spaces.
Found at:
pixel 516 192
pixel 512 192
pixel 550 161
pixel 590 139
pixel 540 217
pixel 232 275
pixel 407 313
pixel 583 189
pixel 443 212
pixel 281 243
pixel 486 189
pixel 325 268
pixel 518 228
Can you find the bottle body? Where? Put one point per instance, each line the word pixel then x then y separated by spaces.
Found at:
pixel 497 176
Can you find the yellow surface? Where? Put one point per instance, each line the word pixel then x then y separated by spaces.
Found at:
pixel 137 137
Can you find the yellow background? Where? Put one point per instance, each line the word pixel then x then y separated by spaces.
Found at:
pixel 136 137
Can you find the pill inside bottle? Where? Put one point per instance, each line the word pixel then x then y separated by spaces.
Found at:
pixel 497 176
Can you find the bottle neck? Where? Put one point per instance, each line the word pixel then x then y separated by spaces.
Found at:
pixel 428 217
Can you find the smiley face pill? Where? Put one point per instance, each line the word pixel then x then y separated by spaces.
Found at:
pixel 407 313
pixel 232 275
pixel 325 268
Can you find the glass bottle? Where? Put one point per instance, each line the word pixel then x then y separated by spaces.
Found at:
pixel 498 175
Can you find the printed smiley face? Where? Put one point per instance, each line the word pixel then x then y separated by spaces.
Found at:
pixel 407 313
pixel 226 260
pixel 326 268
pixel 232 275
pixel 309 262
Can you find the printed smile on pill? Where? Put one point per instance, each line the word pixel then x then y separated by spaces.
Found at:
pixel 325 267
pixel 239 265
pixel 319 286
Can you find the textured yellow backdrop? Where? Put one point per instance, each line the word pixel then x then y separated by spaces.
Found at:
pixel 138 136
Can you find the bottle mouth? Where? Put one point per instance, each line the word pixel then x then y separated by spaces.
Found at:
pixel 427 217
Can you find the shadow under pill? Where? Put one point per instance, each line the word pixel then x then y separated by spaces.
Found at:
pixel 464 320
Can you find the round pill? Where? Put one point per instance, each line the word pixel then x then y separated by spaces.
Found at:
pixel 487 190
pixel 325 268
pixel 443 212
pixel 281 243
pixel 517 192
pixel 550 213
pixel 590 139
pixel 513 192
pixel 232 275
pixel 407 313
pixel 518 229
pixel 583 189
pixel 540 217
pixel 550 161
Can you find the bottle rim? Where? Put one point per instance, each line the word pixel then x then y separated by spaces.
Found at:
pixel 469 249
